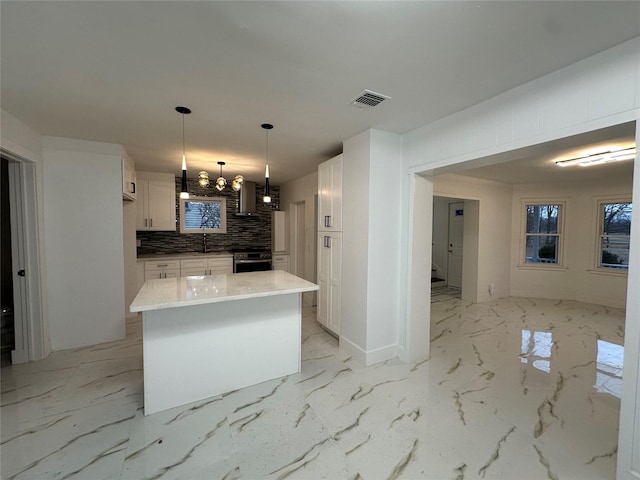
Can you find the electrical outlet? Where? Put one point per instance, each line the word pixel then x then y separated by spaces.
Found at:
pixel 491 288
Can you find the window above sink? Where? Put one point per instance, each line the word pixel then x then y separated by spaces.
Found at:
pixel 203 215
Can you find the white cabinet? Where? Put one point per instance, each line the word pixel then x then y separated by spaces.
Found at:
pixel 193 267
pixel 330 280
pixel 329 265
pixel 218 265
pixel 173 267
pixel 280 262
pixel 330 195
pixel 161 269
pixel 279 232
pixel 207 266
pixel 129 187
pixel 156 205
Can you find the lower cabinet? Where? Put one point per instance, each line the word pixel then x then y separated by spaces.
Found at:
pixel 280 262
pixel 175 267
pixel 330 280
pixel 161 269
pixel 220 265
pixel 206 266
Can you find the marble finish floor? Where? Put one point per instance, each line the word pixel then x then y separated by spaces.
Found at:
pixel 514 389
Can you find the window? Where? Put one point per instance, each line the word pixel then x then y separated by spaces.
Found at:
pixel 542 235
pixel 614 235
pixel 203 215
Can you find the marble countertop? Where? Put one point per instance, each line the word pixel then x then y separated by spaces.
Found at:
pixel 197 290
pixel 166 256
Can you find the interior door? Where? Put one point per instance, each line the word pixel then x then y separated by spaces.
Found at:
pixel 19 266
pixel 456 237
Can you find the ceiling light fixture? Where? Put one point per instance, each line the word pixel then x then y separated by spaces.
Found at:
pixel 267 194
pixel 221 182
pixel 203 179
pixel 184 193
pixel 600 158
pixel 237 183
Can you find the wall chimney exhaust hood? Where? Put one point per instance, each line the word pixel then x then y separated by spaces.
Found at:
pixel 246 199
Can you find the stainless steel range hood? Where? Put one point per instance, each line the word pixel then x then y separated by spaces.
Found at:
pixel 247 199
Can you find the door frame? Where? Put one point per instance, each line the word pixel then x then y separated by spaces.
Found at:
pixel 29 325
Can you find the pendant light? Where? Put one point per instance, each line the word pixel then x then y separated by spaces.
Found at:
pixel 267 195
pixel 221 182
pixel 237 183
pixel 203 179
pixel 184 193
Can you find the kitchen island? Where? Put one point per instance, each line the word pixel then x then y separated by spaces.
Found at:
pixel 207 335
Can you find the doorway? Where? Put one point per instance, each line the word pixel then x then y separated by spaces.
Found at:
pixel 28 321
pixel 6 280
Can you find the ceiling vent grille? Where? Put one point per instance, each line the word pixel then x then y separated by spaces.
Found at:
pixel 368 99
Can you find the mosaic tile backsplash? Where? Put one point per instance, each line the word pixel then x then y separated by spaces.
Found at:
pixel 242 232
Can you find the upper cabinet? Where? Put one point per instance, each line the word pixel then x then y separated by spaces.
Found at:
pixel 156 205
pixel 330 195
pixel 129 184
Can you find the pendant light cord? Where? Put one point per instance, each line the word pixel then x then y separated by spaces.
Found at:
pixel 267 147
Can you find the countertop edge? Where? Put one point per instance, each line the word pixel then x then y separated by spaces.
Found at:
pixel 230 298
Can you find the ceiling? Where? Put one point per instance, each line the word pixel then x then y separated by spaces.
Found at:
pixel 114 71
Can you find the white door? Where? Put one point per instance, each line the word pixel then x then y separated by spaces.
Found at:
pixel 456 236
pixel 28 326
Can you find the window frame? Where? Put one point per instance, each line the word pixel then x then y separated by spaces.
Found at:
pixel 600 202
pixel 562 209
pixel 223 214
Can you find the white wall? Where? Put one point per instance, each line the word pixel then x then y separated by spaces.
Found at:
pixel 355 243
pixel 370 246
pixel 84 241
pixel 384 246
pixel 577 279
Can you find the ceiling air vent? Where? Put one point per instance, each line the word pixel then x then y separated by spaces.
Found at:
pixel 368 99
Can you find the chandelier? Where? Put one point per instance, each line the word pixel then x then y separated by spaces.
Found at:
pixel 221 182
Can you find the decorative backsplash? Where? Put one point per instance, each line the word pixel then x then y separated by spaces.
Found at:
pixel 242 232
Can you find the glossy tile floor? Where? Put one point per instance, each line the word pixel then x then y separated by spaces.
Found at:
pixel 514 389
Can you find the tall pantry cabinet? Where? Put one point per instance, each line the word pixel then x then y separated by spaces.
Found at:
pixel 330 244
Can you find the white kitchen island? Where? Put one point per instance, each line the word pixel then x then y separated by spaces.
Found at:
pixel 207 335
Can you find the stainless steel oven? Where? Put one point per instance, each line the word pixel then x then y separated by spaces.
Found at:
pixel 251 261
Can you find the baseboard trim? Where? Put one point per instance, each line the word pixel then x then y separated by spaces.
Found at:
pixel 382 354
pixel 354 350
pixel 370 357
